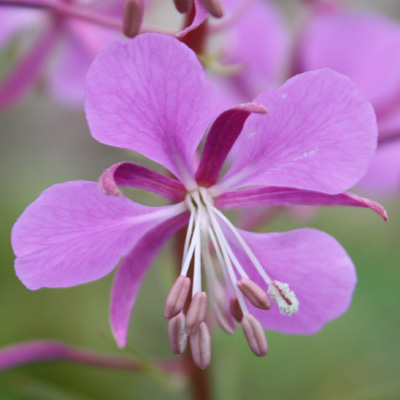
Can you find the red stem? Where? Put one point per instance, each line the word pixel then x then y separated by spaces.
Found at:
pixel 39 351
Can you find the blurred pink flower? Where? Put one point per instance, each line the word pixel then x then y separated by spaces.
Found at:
pixel 365 47
pixel 254 44
pixel 64 47
pixel 151 95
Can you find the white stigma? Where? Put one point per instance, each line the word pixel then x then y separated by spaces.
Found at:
pixel 284 297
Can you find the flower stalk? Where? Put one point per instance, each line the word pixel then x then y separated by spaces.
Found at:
pixel 39 351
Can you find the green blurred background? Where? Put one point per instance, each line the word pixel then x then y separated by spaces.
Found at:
pixel 356 357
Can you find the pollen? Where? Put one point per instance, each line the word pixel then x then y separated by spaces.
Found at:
pixel 284 297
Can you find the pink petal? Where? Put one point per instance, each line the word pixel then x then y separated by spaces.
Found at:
pixel 220 139
pixel 358 45
pixel 317 269
pixel 132 271
pixel 133 175
pixel 67 77
pixel 200 16
pixel 281 196
pixel 73 234
pixel 25 74
pixel 150 95
pixel 319 135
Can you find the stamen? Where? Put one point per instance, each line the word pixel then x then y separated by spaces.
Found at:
pixel 188 235
pixel 235 309
pixel 245 246
pixel 227 252
pixel 196 312
pixel 197 255
pixel 176 334
pixel 189 255
pixel 221 309
pixel 284 297
pixel 254 293
pixel 177 297
pixel 218 298
pixel 255 335
pixel 200 344
pixel 231 273
pixel 224 244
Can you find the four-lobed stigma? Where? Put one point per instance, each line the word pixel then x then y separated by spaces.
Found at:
pixel 228 285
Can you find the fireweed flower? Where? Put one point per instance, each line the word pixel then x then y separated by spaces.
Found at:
pixel 255 45
pixel 68 36
pixel 364 47
pixel 151 95
pixel 64 47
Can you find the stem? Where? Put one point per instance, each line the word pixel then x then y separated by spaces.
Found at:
pixel 39 351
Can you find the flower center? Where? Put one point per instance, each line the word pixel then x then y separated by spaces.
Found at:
pixel 228 283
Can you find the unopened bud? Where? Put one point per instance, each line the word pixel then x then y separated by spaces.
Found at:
pixel 176 334
pixel 254 293
pixel 284 297
pixel 183 6
pixel 132 17
pixel 200 344
pixel 196 312
pixel 255 335
pixel 235 309
pixel 177 297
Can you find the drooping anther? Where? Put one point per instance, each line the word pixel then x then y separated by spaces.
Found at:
pixel 255 335
pixel 183 6
pixel 235 309
pixel 196 312
pixel 214 7
pixel 176 334
pixel 222 313
pixel 177 297
pixel 284 297
pixel 132 17
pixel 200 344
pixel 254 293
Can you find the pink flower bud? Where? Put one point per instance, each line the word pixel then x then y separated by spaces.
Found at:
pixel 183 6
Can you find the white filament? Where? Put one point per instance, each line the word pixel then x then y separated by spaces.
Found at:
pixel 204 224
